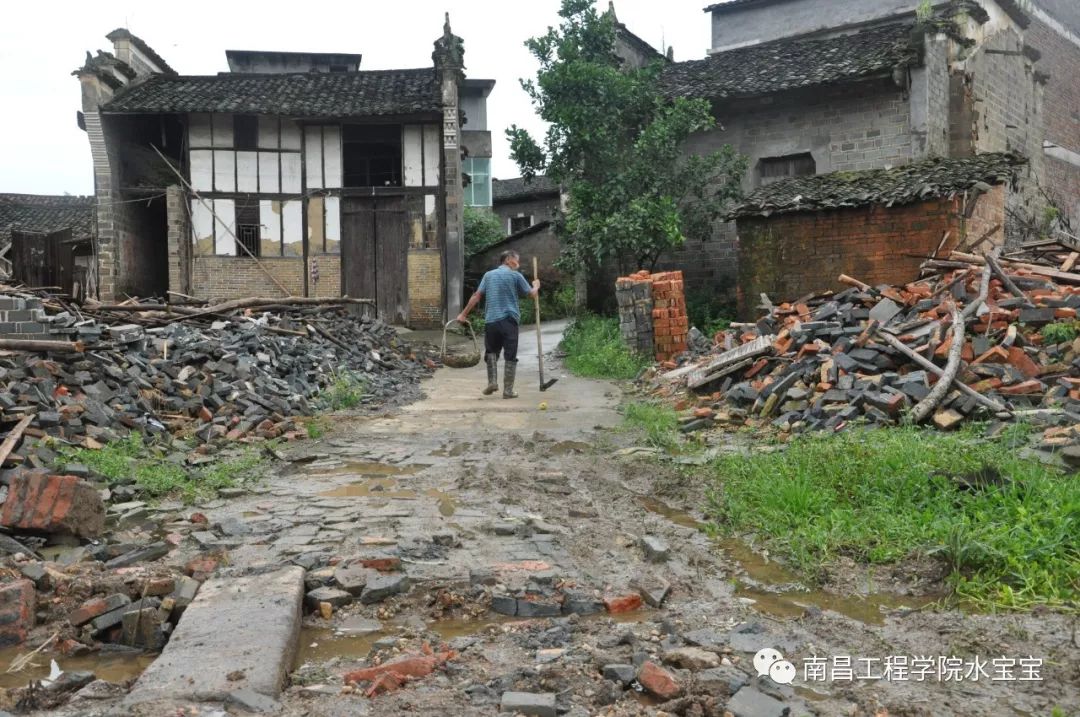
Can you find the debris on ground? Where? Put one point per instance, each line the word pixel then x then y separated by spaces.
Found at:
pixel 981 335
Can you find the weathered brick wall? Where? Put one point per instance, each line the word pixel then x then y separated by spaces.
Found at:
pixel 329 283
pixel 1060 59
pixel 850 128
pixel 1007 104
pixel 544 245
pixel 790 255
pixel 179 238
pixel 425 288
pixel 228 277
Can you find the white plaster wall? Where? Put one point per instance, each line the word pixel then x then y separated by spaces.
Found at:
pixel 432 155
pixel 225 227
pixel 269 220
pixel 202 221
pixel 313 157
pixel 332 157
pixel 268 172
pixel 290 172
pixel 413 156
pixel 224 170
pixel 202 169
pixel 333 219
pixel 247 172
pixel 293 234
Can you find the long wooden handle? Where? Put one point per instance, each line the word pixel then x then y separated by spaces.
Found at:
pixel 536 306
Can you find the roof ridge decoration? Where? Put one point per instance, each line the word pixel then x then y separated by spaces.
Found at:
pixel 930 178
pixel 124 33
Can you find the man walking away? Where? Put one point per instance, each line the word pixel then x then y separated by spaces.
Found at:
pixel 500 289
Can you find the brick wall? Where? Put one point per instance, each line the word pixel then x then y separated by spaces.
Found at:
pixel 329 283
pixel 1061 110
pixel 425 288
pixel 227 277
pixel 1007 102
pixel 179 239
pixel 544 245
pixel 855 127
pixel 789 255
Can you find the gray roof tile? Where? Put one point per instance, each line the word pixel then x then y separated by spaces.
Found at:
pixel 518 188
pixel 318 95
pixel 930 178
pixel 46 213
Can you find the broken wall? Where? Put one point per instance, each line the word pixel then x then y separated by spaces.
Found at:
pixel 787 256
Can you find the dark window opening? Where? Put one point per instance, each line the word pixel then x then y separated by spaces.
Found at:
pixel 247 229
pixel 519 223
pixel 371 155
pixel 773 169
pixel 245 131
pixel 339 68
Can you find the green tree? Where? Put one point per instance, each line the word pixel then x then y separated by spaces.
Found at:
pixel 482 229
pixel 615 142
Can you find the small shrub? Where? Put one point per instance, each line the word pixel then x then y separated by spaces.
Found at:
pixel 708 312
pixel 595 349
pixel 1060 332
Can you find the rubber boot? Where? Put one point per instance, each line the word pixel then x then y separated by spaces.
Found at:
pixel 492 362
pixel 509 370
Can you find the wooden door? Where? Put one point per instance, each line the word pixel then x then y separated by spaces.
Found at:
pixel 375 246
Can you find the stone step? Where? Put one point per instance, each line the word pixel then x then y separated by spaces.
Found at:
pixel 241 628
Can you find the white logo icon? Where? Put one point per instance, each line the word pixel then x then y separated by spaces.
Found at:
pixel 764 659
pixel 770 662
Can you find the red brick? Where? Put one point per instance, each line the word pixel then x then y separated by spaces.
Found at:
pixel 1021 389
pixel 1022 362
pixel 658 681
pixel 88 611
pixel 623 603
pixel 53 504
pixel 18 604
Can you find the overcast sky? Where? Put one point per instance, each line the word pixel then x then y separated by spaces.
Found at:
pixel 42 150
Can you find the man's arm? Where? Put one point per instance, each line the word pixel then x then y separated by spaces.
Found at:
pixel 525 290
pixel 463 317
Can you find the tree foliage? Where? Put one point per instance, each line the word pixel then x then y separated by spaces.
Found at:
pixel 482 229
pixel 616 144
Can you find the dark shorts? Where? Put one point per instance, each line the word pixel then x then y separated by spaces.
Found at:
pixel 502 336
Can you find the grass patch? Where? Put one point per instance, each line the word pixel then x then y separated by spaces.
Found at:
pixel 595 349
pixel 657 421
pixel 315 428
pixel 879 496
pixel 129 459
pixel 1060 332
pixel 344 392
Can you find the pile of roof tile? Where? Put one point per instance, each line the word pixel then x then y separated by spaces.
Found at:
pixel 232 375
pixel 877 353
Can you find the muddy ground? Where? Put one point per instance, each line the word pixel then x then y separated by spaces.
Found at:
pixel 483 499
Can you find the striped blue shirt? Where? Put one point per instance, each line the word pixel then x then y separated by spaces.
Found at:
pixel 501 288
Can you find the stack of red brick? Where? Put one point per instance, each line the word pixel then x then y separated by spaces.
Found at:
pixel 670 320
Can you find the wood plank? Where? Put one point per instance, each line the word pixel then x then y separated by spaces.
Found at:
pixel 760 345
pixel 1070 261
pixel 13 437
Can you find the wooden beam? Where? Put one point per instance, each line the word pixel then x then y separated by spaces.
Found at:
pixel 13 437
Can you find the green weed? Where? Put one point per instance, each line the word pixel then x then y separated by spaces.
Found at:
pixel 880 496
pixel 344 392
pixel 595 349
pixel 1060 332
pixel 657 421
pixel 315 428
pixel 708 312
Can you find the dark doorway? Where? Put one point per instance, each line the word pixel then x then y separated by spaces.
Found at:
pixel 374 259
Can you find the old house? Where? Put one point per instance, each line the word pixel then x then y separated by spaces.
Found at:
pixel 876 225
pixel 290 174
pixel 812 87
pixel 47 240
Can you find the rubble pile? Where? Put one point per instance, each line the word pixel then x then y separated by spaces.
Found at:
pixel 239 374
pixel 981 335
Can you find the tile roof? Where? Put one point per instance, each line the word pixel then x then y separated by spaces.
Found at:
pixel 518 188
pixel 311 94
pixel 122 34
pixel 732 5
pixel 46 213
pixel 930 178
pixel 793 63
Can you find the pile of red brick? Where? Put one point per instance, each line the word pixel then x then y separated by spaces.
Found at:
pixel 670 322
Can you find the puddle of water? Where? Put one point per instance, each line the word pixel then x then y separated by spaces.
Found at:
pixel 364 468
pixel 383 489
pixel 454 451
pixel 319 644
pixel 108 666
pixel 787 603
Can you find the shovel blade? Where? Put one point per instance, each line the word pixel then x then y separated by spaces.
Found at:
pixel 548 384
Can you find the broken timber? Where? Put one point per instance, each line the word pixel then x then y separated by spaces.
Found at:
pixel 717 367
